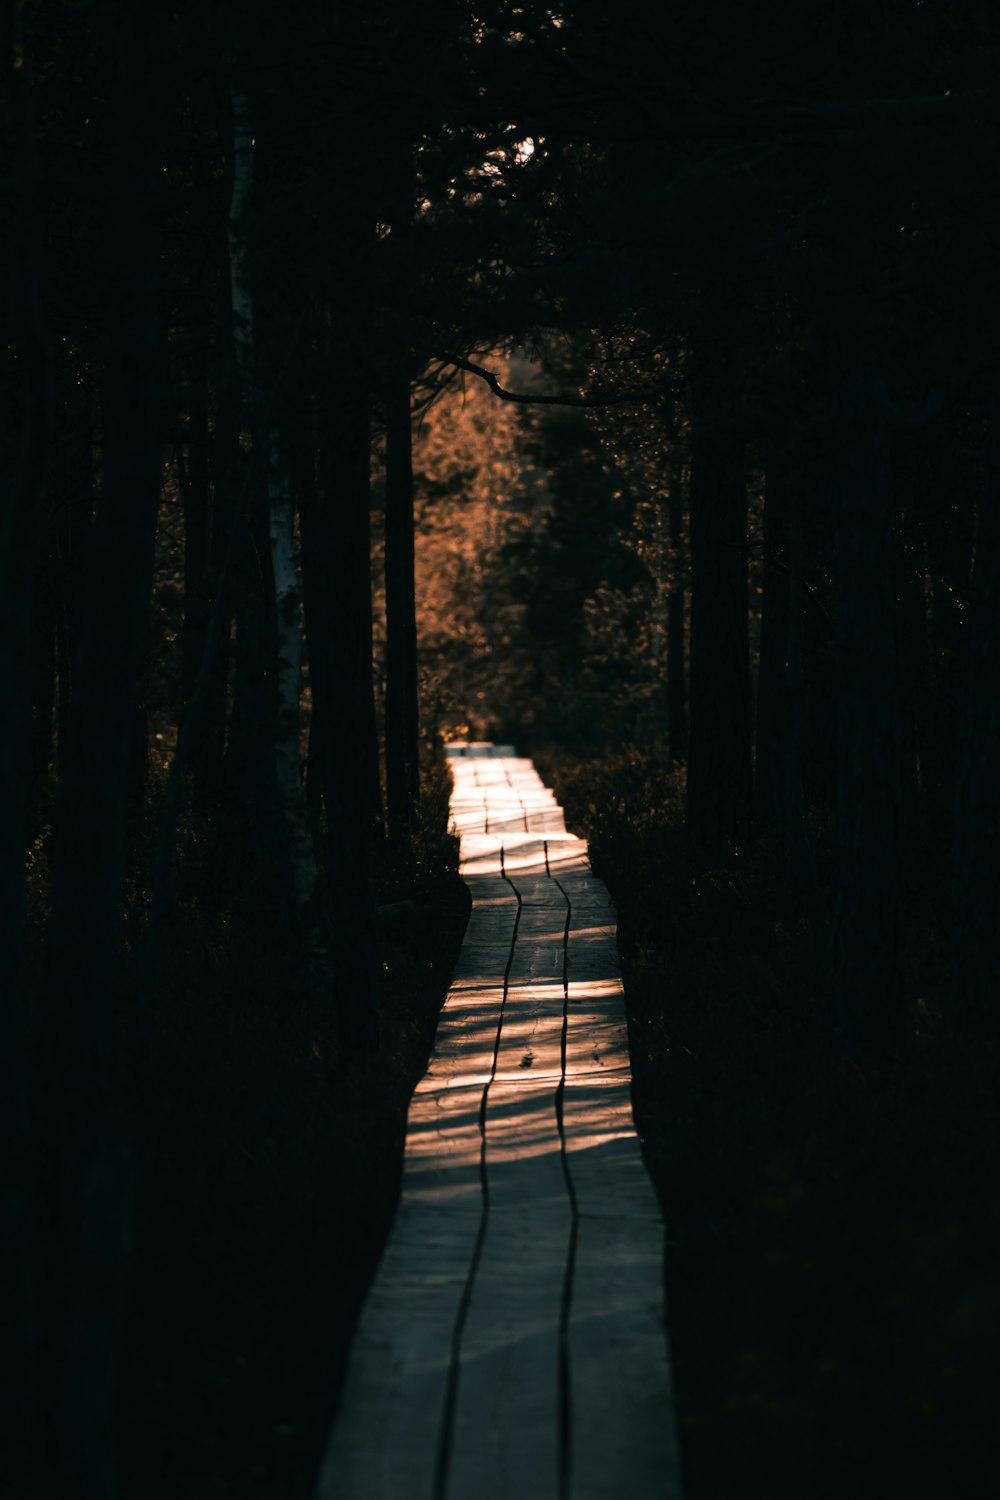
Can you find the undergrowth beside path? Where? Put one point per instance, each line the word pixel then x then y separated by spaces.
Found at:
pixel 269 1163
pixel 269 1189
pixel 833 1234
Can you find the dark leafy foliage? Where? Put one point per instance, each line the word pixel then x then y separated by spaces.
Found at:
pixel 832 1231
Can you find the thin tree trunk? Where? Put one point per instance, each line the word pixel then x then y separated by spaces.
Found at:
pixel 773 738
pixel 912 645
pixel 718 793
pixel 305 481
pixel 196 498
pixel 336 549
pixel 19 1286
pixel 866 906
pixel 677 717
pixel 950 533
pixel 72 529
pixel 254 832
pixel 792 786
pixel 913 686
pixel 288 760
pixel 976 877
pixel 401 706
pixel 239 252
pixel 227 469
pixel 43 693
pixel 24 389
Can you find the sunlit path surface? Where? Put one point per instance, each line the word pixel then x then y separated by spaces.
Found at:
pixel 512 1346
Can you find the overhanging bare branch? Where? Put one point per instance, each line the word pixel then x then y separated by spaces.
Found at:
pixel 521 399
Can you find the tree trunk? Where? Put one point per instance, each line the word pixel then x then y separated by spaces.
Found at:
pixel 976 878
pixel 949 500
pixel 239 251
pixel 773 736
pixel 718 794
pixel 401 707
pixel 24 366
pixel 72 530
pixel 227 469
pixel 43 693
pixel 913 687
pixel 677 717
pixel 336 562
pixel 288 760
pixel 912 642
pixel 196 499
pixel 17 1147
pixel 791 790
pixel 866 905
pixel 99 1164
pixel 253 833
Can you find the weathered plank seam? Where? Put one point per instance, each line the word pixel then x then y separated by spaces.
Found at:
pixel 446 1431
pixel 566 1301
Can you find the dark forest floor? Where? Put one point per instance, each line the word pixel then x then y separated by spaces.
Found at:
pixel 833 1235
pixel 269 1187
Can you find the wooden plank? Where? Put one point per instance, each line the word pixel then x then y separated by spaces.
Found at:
pixel 394 1393
pixel 441 1166
pixel 622 1399
pixel 506 1432
pixel 622 1414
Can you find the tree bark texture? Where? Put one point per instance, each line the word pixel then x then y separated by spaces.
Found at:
pixel 977 803
pixel 288 688
pixel 254 835
pixel 719 771
pixel 195 491
pixel 913 685
pixel 24 389
pixel 98 1169
pixel 677 708
pixel 866 903
pixel 773 728
pixel 950 533
pixel 401 706
pixel 72 531
pixel 336 561
pixel 912 638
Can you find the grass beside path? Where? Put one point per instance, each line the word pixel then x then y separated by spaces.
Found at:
pixel 833 1238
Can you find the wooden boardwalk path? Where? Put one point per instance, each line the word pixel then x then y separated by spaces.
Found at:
pixel 512 1345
